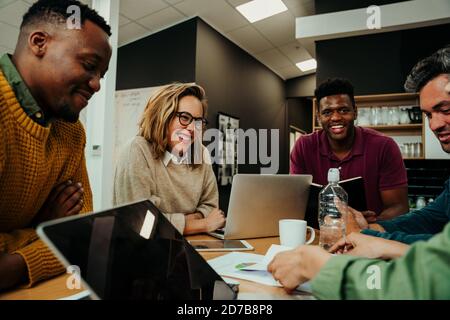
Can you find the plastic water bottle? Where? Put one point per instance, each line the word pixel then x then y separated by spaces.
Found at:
pixel 332 211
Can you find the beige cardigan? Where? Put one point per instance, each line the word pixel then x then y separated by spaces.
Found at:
pixel 176 189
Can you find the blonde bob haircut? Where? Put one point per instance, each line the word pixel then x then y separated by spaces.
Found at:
pixel 161 109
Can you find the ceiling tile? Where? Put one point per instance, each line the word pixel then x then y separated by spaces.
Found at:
pixel 236 3
pixel 135 9
pixel 4 3
pixel 8 35
pixel 123 20
pixel 295 52
pixel 304 8
pixel 172 2
pixel 273 58
pixel 130 32
pixel 290 72
pixel 250 39
pixel 278 29
pixel 218 13
pixel 161 19
pixel 12 13
pixel 293 3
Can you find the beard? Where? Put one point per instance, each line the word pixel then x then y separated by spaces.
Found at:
pixel 67 114
pixel 445 147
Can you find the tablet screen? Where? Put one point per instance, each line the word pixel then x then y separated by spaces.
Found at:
pixel 220 245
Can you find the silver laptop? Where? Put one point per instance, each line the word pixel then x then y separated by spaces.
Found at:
pixel 258 202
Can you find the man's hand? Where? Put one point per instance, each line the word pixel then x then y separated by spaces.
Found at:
pixel 64 200
pixel 362 245
pixel 355 221
pixel 370 216
pixel 13 270
pixel 294 267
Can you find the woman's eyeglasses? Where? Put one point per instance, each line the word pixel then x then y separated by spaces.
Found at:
pixel 186 119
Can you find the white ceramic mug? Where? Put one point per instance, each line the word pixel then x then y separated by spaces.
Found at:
pixel 293 232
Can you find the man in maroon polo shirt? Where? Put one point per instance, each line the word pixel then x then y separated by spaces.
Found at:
pixel 357 151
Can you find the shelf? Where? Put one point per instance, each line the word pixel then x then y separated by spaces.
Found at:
pixel 417 126
pixel 416 158
pixel 391 99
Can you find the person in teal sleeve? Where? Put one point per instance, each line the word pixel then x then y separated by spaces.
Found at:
pixel 416 225
pixel 376 267
pixel 424 223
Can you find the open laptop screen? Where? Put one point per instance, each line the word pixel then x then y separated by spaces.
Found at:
pixel 133 252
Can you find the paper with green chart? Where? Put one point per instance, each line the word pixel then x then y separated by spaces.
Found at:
pixel 251 267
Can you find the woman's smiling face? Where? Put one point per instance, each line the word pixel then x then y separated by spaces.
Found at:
pixel 181 136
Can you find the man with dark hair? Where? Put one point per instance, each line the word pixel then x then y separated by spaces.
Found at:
pixel 430 77
pixel 44 85
pixel 419 271
pixel 356 151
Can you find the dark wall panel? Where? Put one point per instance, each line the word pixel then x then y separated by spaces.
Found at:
pixel 371 63
pixel 158 59
pixel 239 85
pixel 378 63
pixel 326 6
pixel 303 86
pixel 300 113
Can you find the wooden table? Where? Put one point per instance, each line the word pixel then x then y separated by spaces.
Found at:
pixel 56 288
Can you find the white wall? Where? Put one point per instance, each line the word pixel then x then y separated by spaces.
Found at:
pixel 433 149
pixel 99 118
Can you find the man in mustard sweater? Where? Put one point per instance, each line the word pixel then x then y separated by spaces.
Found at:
pixel 56 67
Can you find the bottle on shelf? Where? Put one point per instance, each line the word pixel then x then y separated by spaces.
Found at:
pixel 420 203
pixel 332 211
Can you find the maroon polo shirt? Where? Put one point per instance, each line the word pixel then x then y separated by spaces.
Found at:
pixel 374 156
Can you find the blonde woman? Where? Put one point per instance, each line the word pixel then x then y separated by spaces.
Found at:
pixel 161 163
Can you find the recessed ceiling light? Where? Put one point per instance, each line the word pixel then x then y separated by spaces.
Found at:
pixel 307 65
pixel 260 9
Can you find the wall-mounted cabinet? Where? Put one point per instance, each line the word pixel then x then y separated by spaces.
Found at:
pixel 395 115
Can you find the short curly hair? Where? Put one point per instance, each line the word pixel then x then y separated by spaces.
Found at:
pixel 55 11
pixel 428 69
pixel 334 86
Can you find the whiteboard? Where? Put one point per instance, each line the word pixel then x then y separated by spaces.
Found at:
pixel 130 105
